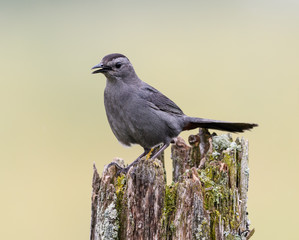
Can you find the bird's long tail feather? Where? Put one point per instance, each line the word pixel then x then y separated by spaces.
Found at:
pixel 191 123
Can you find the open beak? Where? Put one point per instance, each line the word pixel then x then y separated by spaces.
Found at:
pixel 101 68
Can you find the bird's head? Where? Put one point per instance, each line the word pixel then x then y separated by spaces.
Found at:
pixel 115 67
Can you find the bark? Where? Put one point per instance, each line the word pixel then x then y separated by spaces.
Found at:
pixel 206 200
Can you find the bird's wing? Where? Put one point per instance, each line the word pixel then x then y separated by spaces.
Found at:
pixel 159 101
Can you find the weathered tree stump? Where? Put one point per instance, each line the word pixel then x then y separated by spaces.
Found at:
pixel 206 200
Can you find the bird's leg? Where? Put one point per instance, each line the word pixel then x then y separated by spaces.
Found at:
pixel 137 160
pixel 160 150
pixel 149 154
pixel 125 170
pixel 154 150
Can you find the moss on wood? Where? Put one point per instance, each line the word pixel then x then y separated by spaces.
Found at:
pixel 206 201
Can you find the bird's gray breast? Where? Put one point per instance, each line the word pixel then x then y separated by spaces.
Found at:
pixel 116 101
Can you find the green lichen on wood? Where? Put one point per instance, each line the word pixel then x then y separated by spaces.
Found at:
pixel 120 188
pixel 107 221
pixel 169 209
pixel 229 236
pixel 201 230
pixel 202 204
pixel 219 178
pixel 201 225
pixel 109 224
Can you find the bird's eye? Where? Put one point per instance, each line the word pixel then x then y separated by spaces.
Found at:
pixel 118 65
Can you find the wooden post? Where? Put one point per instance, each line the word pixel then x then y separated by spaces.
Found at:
pixel 206 200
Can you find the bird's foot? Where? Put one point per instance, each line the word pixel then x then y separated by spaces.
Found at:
pixel 123 170
pixel 114 164
pixel 120 170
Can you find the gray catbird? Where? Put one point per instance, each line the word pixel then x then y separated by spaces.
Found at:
pixel 140 114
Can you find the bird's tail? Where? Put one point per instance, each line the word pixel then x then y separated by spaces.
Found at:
pixel 191 123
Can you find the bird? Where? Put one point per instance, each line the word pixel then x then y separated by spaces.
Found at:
pixel 140 114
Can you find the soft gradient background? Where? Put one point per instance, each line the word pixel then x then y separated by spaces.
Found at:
pixel 228 60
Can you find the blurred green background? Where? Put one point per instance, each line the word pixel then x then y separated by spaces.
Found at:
pixel 228 60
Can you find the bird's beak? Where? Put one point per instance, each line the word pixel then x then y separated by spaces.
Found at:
pixel 101 69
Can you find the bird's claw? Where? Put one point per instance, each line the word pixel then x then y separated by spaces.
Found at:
pixel 123 171
pixel 120 170
pixel 114 164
